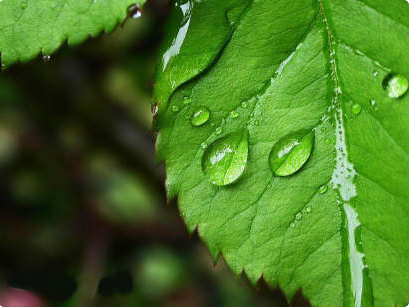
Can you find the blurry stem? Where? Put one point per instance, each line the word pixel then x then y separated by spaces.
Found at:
pixel 92 268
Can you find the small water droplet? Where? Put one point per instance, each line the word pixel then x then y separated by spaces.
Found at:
pixel 323 189
pixel 396 85
pixel 224 160
pixel 257 122
pixel 356 108
pixel 23 5
pixel 134 11
pixel 46 58
pixel 298 216
pixel 308 209
pixel 292 225
pixel 234 114
pixel 218 130
pixel 327 141
pixel 375 73
pixel 187 100
pixel 291 152
pixel 200 116
pixel 372 102
pixel 203 145
pixel 244 105
pixel 154 109
pixel 175 108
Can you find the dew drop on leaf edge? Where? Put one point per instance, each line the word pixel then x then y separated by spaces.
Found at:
pixel 291 152
pixel 225 160
pixel 396 85
pixel 200 116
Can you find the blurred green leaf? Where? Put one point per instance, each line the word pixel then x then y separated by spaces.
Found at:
pixel 28 28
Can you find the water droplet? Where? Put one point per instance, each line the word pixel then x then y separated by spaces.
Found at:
pixel 291 152
pixel 372 102
pixel 134 11
pixel 356 108
pixel 200 116
pixel 203 145
pixel 23 5
pixel 396 85
pixel 46 58
pixel 327 141
pixel 234 114
pixel 308 209
pixel 224 160
pixel 244 105
pixel 187 100
pixel 323 189
pixel 375 73
pixel 175 108
pixel 257 122
pixel 218 130
pixel 298 216
pixel 292 225
pixel 154 109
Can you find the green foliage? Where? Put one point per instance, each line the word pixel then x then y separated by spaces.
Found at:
pixel 337 229
pixel 28 28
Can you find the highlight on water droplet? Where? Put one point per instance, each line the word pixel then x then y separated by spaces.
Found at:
pixel 175 108
pixel 234 114
pixel 200 116
pixel 308 209
pixel 218 130
pixel 375 73
pixel 225 160
pixel 203 145
pixel 244 105
pixel 396 85
pixel 323 189
pixel 298 216
pixel 291 152
pixel 356 108
pixel 372 102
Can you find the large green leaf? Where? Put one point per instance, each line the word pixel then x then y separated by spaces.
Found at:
pixel 31 27
pixel 277 68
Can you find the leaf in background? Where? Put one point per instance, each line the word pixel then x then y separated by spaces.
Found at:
pixel 28 28
pixel 338 227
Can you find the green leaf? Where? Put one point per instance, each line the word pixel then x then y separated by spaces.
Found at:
pixel 337 228
pixel 28 28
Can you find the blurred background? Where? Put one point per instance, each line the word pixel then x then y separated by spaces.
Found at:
pixel 83 213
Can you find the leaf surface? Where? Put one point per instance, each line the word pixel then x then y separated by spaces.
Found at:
pixel 284 68
pixel 28 28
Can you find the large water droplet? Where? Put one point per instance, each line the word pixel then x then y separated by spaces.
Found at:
pixel 396 85
pixel 224 160
pixel 200 116
pixel 291 152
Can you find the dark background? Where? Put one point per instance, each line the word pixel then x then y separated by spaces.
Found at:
pixel 84 218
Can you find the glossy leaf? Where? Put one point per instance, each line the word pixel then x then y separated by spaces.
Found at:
pixel 337 229
pixel 28 28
